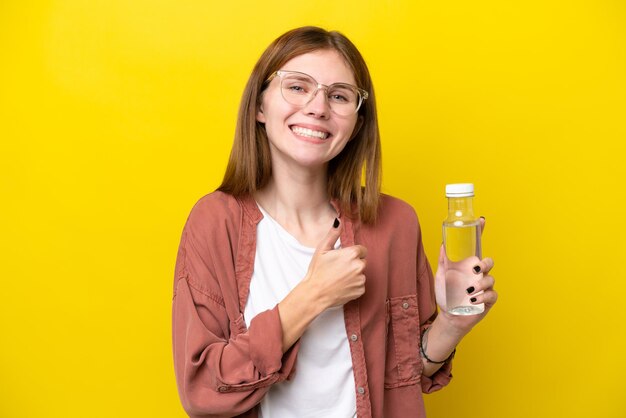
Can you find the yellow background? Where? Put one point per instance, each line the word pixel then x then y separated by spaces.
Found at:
pixel 116 116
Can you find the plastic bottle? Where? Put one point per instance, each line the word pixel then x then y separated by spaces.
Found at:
pixel 461 238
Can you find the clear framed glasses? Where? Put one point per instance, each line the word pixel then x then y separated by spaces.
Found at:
pixel 299 89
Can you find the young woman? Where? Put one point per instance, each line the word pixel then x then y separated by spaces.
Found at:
pixel 298 292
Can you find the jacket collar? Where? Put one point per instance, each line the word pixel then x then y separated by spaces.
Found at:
pixel 253 212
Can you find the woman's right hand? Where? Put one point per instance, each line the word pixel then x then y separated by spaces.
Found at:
pixel 336 276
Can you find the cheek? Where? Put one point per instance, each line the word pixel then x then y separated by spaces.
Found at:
pixel 350 128
pixel 357 126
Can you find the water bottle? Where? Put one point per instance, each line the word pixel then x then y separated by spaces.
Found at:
pixel 461 239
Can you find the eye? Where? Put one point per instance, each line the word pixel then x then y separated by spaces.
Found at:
pixel 338 98
pixel 341 94
pixel 296 86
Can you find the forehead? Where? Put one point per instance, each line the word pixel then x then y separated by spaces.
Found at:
pixel 325 66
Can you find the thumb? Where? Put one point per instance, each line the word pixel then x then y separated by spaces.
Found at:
pixel 440 287
pixel 328 243
pixel 443 258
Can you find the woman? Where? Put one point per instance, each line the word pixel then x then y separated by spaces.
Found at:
pixel 299 293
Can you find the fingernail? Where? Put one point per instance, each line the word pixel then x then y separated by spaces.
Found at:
pixel 473 300
pixel 470 289
pixel 482 217
pixel 336 223
pixel 476 269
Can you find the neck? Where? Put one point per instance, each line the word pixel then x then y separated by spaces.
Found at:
pixel 297 196
pixel 460 208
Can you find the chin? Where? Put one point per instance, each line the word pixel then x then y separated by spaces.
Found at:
pixel 311 161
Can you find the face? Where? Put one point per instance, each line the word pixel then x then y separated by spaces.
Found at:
pixel 312 135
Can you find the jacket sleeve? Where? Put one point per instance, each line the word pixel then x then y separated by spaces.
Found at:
pixel 427 313
pixel 222 368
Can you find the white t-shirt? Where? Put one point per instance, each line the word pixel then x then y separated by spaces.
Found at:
pixel 323 385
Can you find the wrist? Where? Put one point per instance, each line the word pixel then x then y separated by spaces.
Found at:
pixel 423 344
pixel 297 310
pixel 447 326
pixel 310 298
pixel 446 331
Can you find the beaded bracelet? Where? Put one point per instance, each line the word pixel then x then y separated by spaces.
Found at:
pixel 450 357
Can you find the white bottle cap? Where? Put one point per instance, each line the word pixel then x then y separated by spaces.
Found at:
pixel 460 190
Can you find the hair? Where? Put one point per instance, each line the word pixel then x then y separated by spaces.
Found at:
pixel 249 167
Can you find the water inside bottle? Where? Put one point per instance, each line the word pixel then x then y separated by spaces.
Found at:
pixel 463 252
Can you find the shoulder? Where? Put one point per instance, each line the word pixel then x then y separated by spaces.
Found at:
pixel 214 210
pixel 395 213
pixel 393 207
pixel 395 235
pixel 216 201
pixel 396 221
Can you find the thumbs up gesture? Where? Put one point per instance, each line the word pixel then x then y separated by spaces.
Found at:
pixel 336 276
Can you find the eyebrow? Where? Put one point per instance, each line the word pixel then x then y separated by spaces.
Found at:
pixel 301 75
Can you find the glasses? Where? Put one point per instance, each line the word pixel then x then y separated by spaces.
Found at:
pixel 299 89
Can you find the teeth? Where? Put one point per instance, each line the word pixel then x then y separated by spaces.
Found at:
pixel 309 132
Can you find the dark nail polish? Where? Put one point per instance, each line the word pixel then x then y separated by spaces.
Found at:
pixel 473 300
pixel 476 269
pixel 470 289
pixel 336 223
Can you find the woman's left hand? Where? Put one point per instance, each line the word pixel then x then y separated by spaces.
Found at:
pixel 464 323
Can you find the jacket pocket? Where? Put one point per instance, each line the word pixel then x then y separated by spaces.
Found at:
pixel 403 362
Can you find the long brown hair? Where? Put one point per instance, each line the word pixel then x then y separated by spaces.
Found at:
pixel 249 167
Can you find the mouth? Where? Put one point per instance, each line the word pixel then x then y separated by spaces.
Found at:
pixel 309 133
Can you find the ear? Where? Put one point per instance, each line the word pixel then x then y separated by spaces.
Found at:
pixel 260 116
pixel 357 127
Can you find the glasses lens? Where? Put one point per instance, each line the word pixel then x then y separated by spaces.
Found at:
pixel 343 99
pixel 298 89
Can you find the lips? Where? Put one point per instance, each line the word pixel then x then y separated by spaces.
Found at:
pixel 309 133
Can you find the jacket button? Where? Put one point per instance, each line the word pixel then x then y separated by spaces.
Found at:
pixel 405 305
pixel 361 390
pixel 354 337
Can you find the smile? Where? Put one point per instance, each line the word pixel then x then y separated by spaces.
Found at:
pixel 309 133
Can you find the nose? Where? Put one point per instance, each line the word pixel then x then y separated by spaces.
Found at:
pixel 318 105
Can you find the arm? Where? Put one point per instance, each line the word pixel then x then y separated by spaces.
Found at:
pixel 222 368
pixel 220 373
pixel 334 278
pixel 436 341
pixel 447 330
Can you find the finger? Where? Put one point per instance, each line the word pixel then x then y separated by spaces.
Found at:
pixel 360 291
pixel 361 251
pixel 483 266
pixel 328 243
pixel 488 298
pixel 362 265
pixel 484 284
pixel 482 224
pixel 361 280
